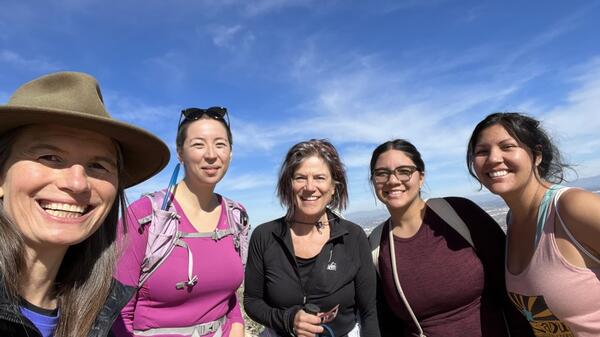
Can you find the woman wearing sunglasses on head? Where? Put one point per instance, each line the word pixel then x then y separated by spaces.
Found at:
pixel 439 261
pixel 310 272
pixel 553 250
pixel 183 248
pixel 64 164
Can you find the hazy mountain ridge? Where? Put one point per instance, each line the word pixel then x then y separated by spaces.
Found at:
pixel 491 203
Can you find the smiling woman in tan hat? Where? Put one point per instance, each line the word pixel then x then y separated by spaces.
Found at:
pixel 64 164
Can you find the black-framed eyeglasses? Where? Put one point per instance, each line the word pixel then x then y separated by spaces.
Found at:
pixel 402 174
pixel 214 112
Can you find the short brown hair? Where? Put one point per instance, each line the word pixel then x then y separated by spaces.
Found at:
pixel 323 149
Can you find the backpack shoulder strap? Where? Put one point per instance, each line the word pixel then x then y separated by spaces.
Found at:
pixel 162 236
pixel 237 218
pixel 155 200
pixel 374 241
pixel 444 210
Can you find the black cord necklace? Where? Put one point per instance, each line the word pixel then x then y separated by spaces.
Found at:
pixel 318 224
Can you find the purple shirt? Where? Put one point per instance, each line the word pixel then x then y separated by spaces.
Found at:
pixel 158 304
pixel 44 320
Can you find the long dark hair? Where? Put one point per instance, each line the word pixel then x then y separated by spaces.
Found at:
pixel 323 149
pixel 527 131
pixel 84 278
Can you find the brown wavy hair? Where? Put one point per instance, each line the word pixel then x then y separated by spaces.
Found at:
pixel 323 149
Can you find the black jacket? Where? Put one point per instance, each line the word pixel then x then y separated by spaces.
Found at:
pixel 343 274
pixel 14 324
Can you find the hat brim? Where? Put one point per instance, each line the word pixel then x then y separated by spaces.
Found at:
pixel 144 154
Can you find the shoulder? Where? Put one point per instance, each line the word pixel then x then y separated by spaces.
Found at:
pixel 574 199
pixel 232 203
pixel 139 209
pixel 268 228
pixel 351 227
pixel 580 210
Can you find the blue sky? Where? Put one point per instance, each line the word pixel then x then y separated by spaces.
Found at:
pixel 355 72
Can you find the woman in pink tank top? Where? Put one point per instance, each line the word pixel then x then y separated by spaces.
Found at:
pixel 553 245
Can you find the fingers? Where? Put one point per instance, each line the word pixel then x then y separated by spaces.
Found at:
pixel 307 325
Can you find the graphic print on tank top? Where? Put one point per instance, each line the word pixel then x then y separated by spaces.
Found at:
pixel 543 322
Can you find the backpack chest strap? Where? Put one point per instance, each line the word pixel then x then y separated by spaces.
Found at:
pixel 216 235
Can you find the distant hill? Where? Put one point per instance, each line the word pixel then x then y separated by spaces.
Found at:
pixel 492 204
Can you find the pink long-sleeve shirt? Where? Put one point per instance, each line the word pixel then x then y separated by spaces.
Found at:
pixel 158 303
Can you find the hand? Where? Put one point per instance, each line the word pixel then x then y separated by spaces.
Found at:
pixel 307 325
pixel 237 330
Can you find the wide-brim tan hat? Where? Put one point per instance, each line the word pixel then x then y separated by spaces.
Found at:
pixel 74 99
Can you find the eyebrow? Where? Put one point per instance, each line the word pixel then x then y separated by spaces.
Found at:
pixel 394 168
pixel 44 146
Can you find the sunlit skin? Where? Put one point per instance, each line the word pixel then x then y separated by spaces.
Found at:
pixel 205 155
pixel 508 168
pixel 503 165
pixel 58 186
pixel 313 189
pixel 402 199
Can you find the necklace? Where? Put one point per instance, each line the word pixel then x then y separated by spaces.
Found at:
pixel 318 224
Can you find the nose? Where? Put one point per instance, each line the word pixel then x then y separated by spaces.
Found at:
pixel 211 153
pixel 495 155
pixel 74 179
pixel 396 180
pixel 310 185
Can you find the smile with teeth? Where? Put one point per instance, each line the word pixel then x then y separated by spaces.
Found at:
pixel 311 198
pixel 394 193
pixel 496 174
pixel 63 210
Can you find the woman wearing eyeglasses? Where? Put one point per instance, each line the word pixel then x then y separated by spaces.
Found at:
pixel 310 272
pixel 433 281
pixel 192 290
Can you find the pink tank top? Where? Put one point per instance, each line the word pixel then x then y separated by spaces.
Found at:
pixel 557 298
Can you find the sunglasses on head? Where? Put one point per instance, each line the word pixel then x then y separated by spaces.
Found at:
pixel 215 112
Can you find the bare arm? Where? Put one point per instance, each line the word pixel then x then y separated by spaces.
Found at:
pixel 580 212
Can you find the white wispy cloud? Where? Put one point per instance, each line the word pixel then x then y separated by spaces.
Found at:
pixel 18 61
pixel 262 7
pixel 170 67
pixel 579 114
pixel 247 181
pixel 232 37
pixel 567 23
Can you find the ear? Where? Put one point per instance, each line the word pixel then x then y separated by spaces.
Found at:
pixel 537 153
pixel 179 156
pixel 421 179
pixel 1 192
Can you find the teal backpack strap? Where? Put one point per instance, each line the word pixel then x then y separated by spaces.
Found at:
pixel 544 209
pixel 444 210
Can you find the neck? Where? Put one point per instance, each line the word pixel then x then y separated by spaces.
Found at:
pixel 203 196
pixel 37 282
pixel 303 224
pixel 525 202
pixel 410 216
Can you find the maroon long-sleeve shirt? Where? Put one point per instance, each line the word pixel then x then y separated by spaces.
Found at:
pixel 453 289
